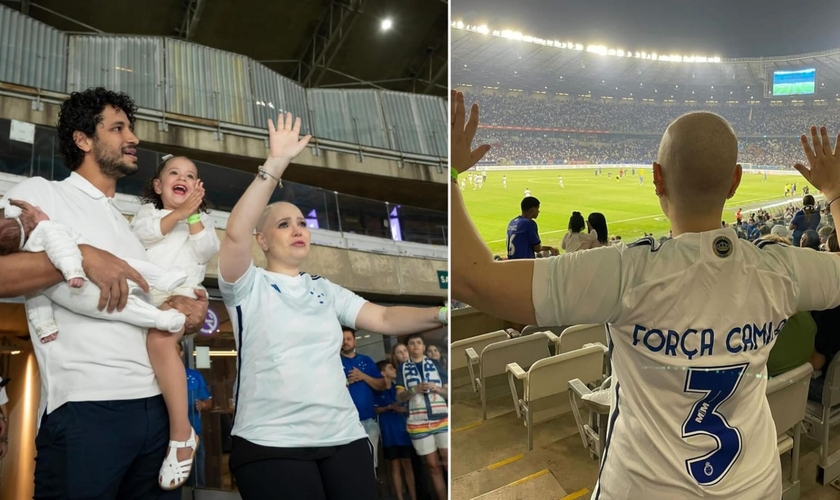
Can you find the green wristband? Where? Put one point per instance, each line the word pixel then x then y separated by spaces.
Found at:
pixel 194 219
pixel 443 315
pixel 453 174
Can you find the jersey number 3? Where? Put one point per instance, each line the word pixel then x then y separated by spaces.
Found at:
pixel 717 385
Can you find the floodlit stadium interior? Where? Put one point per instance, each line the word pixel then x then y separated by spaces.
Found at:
pixel 559 108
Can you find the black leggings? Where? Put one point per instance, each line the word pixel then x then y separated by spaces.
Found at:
pixel 340 473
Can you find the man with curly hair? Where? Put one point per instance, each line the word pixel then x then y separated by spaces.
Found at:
pixel 104 426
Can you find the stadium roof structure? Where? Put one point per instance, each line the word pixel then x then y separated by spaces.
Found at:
pixel 320 43
pixel 513 62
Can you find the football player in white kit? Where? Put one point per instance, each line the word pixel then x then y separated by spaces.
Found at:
pixel 690 322
pixel 504 181
pixel 527 192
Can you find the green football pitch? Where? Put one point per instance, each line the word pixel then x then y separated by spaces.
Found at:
pixel 630 209
pixel 793 88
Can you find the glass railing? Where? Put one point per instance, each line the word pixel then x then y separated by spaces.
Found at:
pixel 323 209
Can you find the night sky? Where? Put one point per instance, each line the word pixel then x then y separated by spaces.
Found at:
pixel 725 28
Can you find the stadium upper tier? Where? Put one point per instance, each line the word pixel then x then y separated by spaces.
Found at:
pixel 548 112
pixel 534 148
pixel 513 61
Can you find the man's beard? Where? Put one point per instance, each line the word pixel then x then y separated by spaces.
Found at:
pixel 111 164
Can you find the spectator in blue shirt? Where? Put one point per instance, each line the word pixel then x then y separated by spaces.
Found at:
pixel 523 239
pixel 808 217
pixel 395 440
pixel 363 378
pixel 199 400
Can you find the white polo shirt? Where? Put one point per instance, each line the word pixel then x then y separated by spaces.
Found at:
pixel 291 391
pixel 4 398
pixel 690 326
pixel 91 360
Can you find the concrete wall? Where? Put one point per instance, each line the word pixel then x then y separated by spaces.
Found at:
pixel 246 149
pixel 363 271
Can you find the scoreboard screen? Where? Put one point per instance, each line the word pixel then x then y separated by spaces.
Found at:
pixel 799 82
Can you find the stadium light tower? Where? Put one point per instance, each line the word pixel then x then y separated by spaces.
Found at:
pixel 386 24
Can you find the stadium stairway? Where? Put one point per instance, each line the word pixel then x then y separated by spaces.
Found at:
pixel 490 461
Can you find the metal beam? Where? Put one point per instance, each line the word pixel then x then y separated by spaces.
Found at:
pixel 329 35
pixel 191 18
pixel 66 17
pixel 361 82
pixel 358 81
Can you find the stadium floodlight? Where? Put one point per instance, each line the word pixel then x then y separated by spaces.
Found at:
pixel 569 45
pixel 597 49
pixel 386 24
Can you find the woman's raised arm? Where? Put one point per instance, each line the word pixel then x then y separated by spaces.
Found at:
pixel 285 144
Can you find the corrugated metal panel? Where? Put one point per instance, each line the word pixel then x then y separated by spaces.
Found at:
pixel 430 114
pixel 366 108
pixel 208 83
pixel 133 65
pixel 417 124
pixel 31 53
pixel 274 94
pixel 351 116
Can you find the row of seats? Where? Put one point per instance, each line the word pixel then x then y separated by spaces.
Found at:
pixel 547 366
pixel 539 361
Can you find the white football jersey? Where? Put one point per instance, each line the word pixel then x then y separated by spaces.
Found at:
pixel 690 326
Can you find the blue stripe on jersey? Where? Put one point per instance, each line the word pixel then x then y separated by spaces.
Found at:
pixel 646 242
pixel 613 418
pixel 642 241
pixel 238 363
pixel 763 243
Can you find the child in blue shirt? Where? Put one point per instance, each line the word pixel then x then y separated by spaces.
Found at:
pixel 395 439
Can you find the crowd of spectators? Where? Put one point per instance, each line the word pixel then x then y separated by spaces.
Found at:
pixel 515 147
pixel 649 118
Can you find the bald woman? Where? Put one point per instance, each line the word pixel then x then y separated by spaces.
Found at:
pixel 690 322
pixel 296 432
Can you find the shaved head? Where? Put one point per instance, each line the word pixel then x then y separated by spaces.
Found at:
pixel 275 212
pixel 698 156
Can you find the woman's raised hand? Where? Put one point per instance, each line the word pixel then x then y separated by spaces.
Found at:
pixel 284 141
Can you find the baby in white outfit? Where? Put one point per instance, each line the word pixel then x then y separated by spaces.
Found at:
pixel 60 242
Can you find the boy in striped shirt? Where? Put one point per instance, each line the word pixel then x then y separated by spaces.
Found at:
pixel 423 383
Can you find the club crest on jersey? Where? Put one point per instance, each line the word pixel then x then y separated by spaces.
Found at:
pixel 722 246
